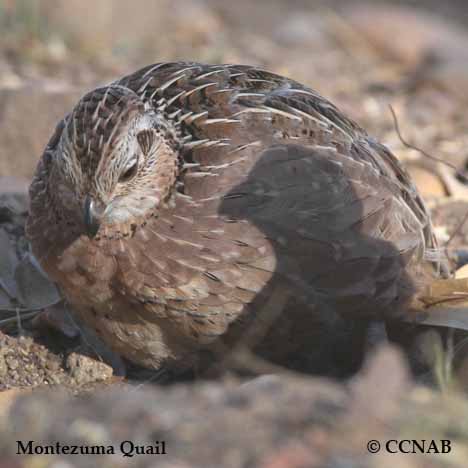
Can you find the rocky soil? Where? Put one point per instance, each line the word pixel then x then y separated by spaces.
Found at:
pixel 268 422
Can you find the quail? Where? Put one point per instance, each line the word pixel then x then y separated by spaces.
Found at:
pixel 187 205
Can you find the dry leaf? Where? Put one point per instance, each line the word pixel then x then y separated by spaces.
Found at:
pixel 462 272
pixel 4 299
pixel 8 263
pixel 34 288
pixel 442 316
pixel 444 304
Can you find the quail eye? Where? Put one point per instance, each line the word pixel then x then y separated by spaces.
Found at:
pixel 129 172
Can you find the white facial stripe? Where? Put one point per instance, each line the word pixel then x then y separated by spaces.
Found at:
pixel 132 161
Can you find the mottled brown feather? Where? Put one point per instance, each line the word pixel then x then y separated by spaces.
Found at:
pixel 275 188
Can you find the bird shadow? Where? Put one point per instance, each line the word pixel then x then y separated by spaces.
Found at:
pixel 323 217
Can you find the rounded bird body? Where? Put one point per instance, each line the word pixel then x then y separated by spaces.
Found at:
pixel 172 205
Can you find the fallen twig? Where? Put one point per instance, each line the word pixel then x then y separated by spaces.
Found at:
pixel 420 150
pixel 29 309
pixel 460 175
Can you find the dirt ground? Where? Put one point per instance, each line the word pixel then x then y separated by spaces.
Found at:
pixel 364 57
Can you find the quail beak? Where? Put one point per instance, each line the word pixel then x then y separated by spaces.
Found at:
pixel 93 213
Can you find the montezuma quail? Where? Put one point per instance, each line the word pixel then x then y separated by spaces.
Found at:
pixel 178 206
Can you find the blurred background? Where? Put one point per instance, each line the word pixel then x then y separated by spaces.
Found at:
pixel 364 56
pixel 361 55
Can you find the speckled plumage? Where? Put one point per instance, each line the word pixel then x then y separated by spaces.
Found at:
pixel 247 183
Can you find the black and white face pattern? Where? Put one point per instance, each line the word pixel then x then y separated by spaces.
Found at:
pixel 118 154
